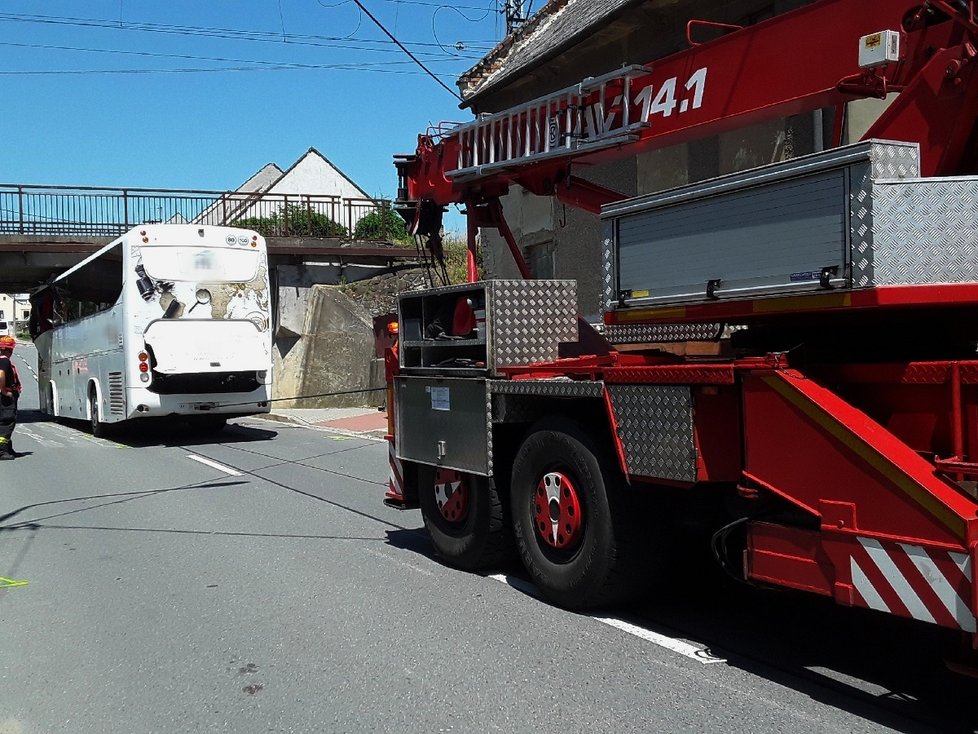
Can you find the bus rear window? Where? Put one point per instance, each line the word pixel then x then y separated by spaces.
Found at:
pixel 199 264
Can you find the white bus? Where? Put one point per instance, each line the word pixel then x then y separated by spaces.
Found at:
pixel 167 320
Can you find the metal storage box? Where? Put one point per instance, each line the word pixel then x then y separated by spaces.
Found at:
pixel 846 218
pixel 448 425
pixel 518 322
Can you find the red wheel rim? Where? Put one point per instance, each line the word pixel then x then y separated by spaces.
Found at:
pixel 557 511
pixel 451 494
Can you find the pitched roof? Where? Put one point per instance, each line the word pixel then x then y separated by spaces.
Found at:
pixel 262 179
pixel 557 26
pixel 314 152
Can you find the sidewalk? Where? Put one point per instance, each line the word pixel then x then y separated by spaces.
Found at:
pixel 362 422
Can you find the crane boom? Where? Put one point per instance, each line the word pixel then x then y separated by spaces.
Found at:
pixel 794 63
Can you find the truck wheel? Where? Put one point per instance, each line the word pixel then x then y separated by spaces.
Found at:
pixel 464 518
pixel 572 525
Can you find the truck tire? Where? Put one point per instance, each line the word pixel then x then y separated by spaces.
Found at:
pixel 464 518
pixel 574 528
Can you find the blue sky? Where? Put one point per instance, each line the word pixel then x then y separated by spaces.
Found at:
pixel 91 98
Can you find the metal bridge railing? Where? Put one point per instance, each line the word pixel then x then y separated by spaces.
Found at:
pixel 88 211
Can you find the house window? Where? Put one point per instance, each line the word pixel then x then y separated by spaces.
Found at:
pixel 24 315
pixel 1 313
pixel 540 259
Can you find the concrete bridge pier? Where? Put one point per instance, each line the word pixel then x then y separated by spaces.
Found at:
pixel 325 295
pixel 324 335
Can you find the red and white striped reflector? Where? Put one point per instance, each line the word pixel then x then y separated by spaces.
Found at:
pixel 395 484
pixel 910 581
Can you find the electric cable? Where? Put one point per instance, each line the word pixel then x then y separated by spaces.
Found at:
pixel 212 70
pixel 434 33
pixel 211 33
pixel 405 50
pixel 188 57
pixel 344 2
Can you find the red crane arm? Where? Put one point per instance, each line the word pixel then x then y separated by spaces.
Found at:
pixel 793 63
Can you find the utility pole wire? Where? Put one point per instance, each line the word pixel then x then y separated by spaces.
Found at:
pixel 404 49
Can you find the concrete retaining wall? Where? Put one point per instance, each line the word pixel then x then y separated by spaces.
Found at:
pixel 324 344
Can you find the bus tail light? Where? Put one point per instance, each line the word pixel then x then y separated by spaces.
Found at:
pixel 143 366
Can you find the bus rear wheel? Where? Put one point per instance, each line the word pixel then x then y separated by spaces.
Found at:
pixel 464 518
pixel 97 427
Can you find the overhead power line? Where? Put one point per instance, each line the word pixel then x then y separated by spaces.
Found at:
pixel 222 59
pixel 488 5
pixel 400 45
pixel 211 33
pixel 209 70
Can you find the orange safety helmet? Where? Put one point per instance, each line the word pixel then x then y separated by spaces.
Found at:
pixel 7 342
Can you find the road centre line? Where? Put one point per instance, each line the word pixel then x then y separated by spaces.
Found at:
pixel 215 465
pixel 694 652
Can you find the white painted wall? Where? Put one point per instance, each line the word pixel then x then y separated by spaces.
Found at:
pixel 314 175
pixel 15 308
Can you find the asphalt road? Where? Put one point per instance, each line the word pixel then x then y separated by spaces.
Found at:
pixel 274 592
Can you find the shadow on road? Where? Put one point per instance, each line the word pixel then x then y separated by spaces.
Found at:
pixel 101 500
pixel 159 431
pixel 31 416
pixel 173 432
pixel 881 668
pixel 414 540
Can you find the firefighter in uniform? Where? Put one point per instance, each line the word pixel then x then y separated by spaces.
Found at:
pixel 9 393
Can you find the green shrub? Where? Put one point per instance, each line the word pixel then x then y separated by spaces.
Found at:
pixel 382 224
pixel 295 220
pixel 457 257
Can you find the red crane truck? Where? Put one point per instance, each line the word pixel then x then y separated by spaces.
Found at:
pixel 827 436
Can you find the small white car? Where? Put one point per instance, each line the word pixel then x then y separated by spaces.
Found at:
pixel 5 329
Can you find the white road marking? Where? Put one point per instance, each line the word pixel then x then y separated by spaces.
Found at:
pixel 699 653
pixel 693 652
pixel 76 436
pixel 519 584
pixel 21 428
pixel 388 557
pixel 215 465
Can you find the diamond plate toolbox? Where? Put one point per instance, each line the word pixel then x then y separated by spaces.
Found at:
pixel 477 328
pixel 812 223
pixel 528 319
pixel 923 231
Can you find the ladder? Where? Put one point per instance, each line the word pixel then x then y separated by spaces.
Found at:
pixel 593 114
